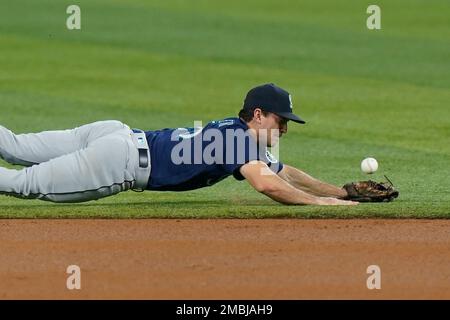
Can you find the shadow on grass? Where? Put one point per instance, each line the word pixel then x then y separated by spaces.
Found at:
pixel 149 204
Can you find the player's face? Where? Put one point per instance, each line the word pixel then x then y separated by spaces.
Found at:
pixel 276 126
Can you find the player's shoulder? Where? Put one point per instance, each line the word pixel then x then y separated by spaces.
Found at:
pixel 228 123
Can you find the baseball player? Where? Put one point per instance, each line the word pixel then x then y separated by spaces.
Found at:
pixel 107 157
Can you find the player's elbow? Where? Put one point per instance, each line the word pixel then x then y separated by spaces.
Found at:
pixel 275 193
pixel 260 187
pixel 264 187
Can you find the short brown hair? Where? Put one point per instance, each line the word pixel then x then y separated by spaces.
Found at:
pixel 247 113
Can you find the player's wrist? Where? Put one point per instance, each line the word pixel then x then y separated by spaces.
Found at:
pixel 343 194
pixel 323 201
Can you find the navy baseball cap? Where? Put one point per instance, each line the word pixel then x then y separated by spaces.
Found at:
pixel 271 98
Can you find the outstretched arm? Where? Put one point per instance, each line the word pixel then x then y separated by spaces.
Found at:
pixel 265 181
pixel 300 180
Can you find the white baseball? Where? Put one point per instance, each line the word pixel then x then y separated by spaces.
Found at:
pixel 369 165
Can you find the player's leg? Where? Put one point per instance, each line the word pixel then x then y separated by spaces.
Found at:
pixel 104 168
pixel 33 148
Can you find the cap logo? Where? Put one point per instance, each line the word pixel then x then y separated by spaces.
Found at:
pixel 290 102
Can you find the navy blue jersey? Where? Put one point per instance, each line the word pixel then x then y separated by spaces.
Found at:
pixel 191 158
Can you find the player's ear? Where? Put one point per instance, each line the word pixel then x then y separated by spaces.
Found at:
pixel 257 114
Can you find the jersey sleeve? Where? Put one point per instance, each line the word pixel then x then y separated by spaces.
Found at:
pixel 238 150
pixel 272 162
pixel 237 153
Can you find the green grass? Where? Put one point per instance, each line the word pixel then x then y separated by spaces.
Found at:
pixel 155 64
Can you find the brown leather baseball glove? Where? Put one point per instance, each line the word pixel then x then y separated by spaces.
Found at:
pixel 371 191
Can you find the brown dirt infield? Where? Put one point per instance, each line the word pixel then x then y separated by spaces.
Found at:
pixel 225 259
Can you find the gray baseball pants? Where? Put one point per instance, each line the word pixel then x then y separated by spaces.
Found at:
pixel 86 163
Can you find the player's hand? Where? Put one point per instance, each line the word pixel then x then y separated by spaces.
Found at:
pixel 336 202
